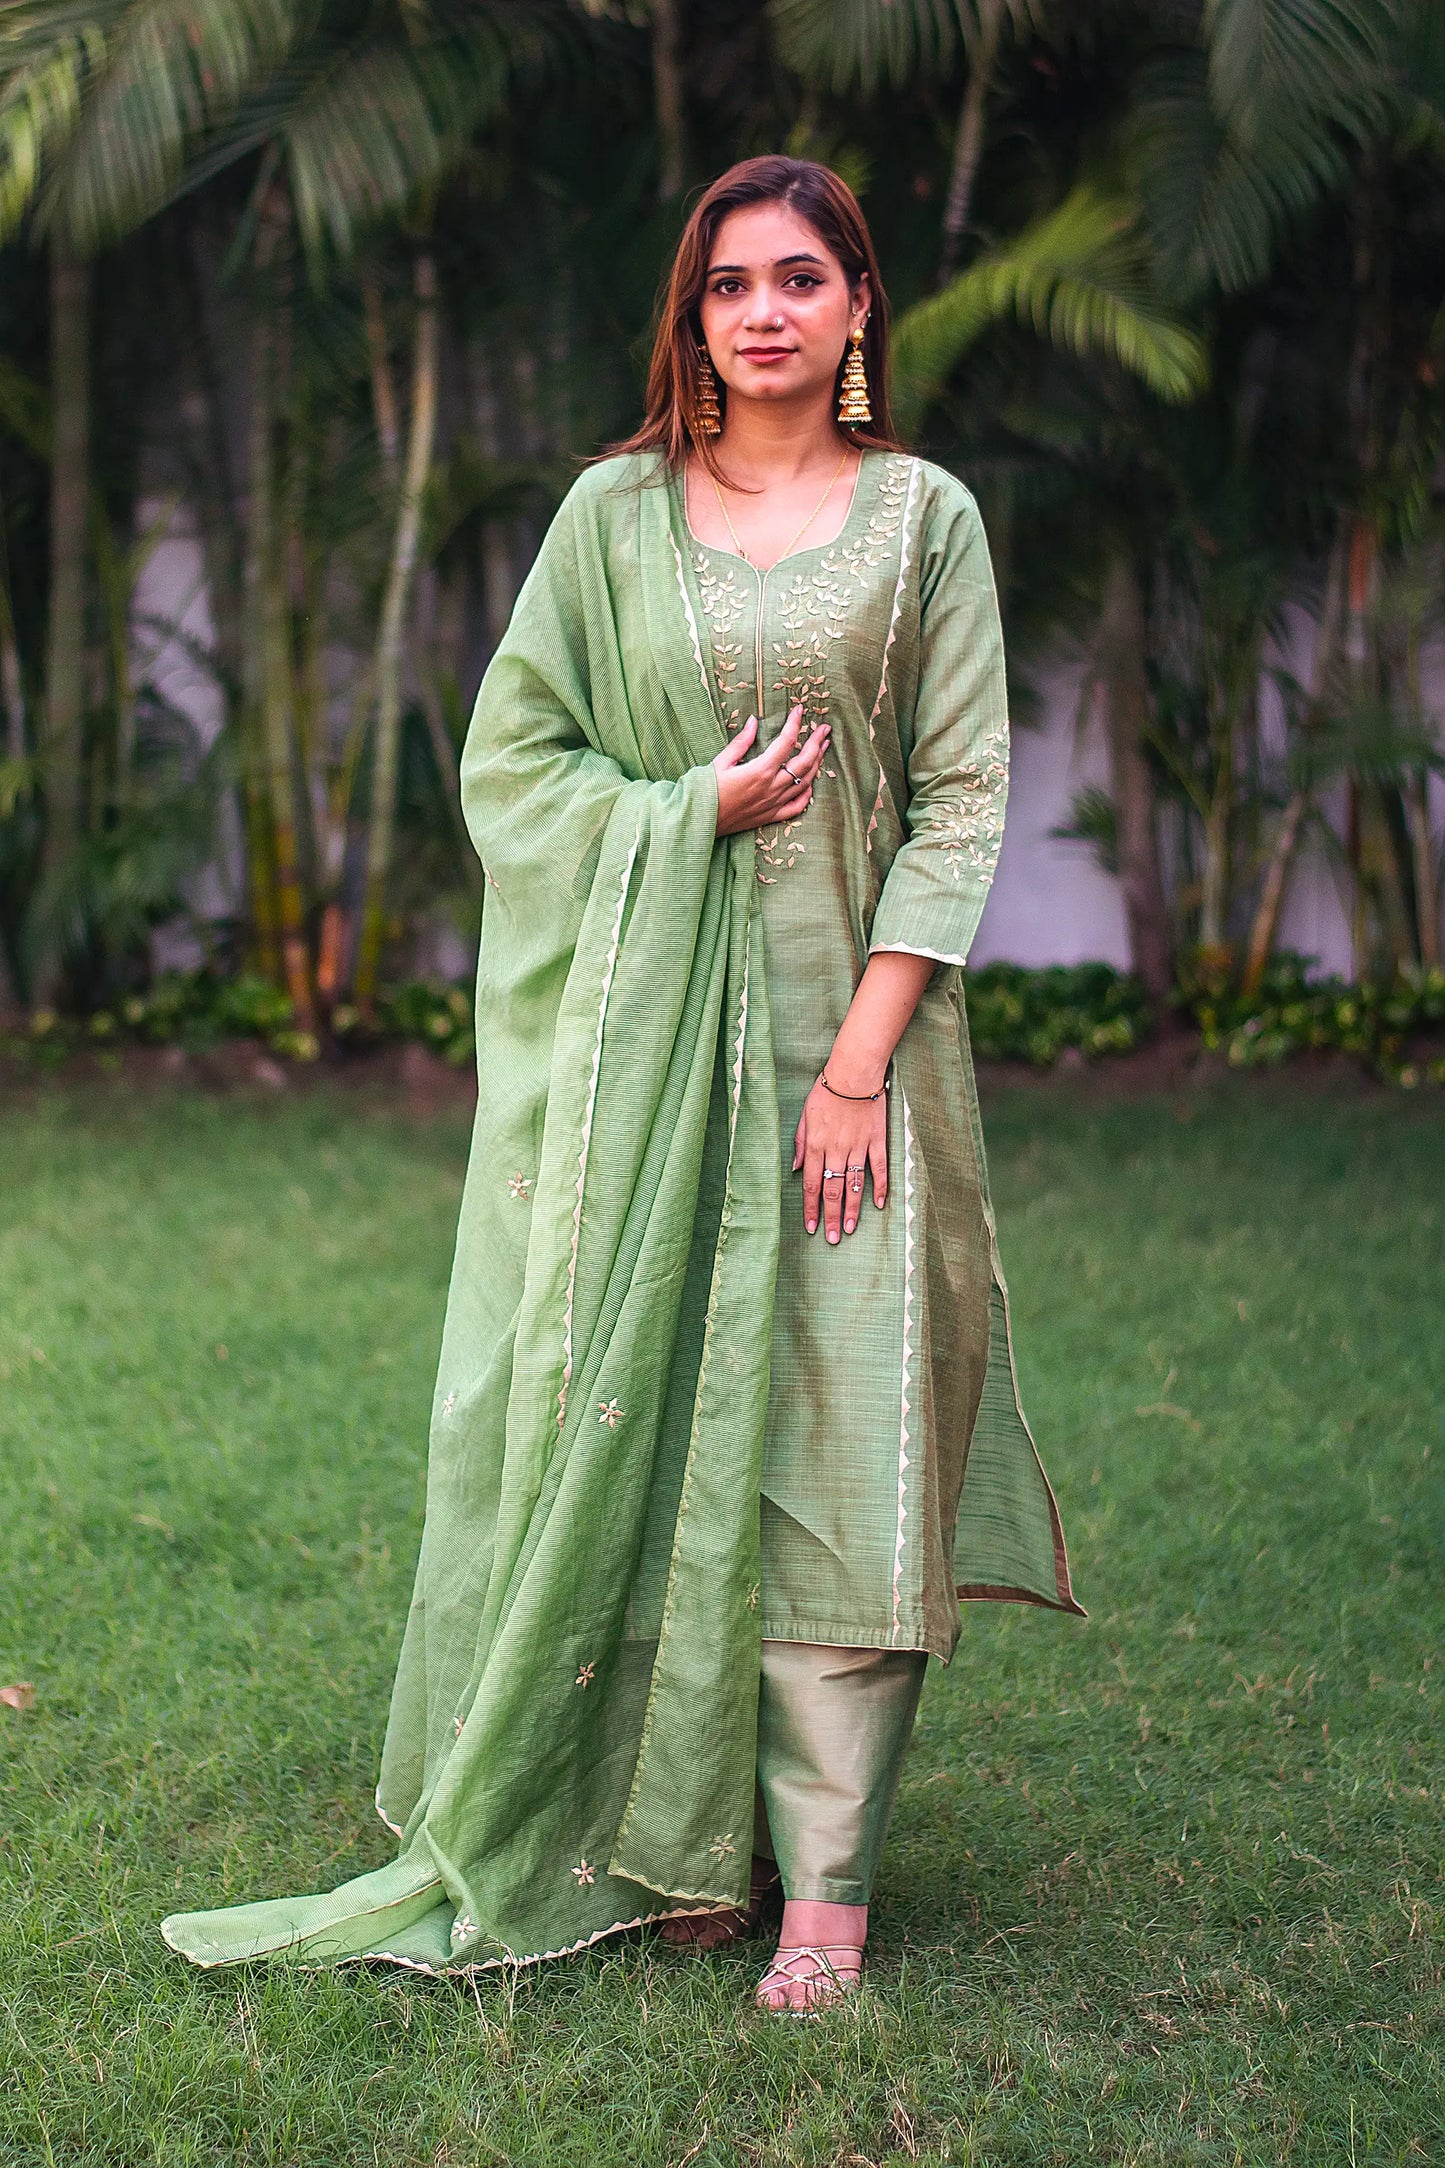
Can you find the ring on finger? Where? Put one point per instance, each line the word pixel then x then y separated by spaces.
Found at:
pixel 855 1175
pixel 834 1174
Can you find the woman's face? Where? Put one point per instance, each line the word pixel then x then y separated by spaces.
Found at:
pixel 776 308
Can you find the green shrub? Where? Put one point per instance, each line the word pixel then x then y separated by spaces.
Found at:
pixel 435 1015
pixel 1018 1014
pixel 1387 1025
pixel 1397 1029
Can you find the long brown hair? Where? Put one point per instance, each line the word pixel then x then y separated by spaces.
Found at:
pixel 831 209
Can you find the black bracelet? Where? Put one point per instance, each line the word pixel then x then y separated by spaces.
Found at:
pixel 859 1096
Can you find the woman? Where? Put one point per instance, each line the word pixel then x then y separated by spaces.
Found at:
pixel 727 1327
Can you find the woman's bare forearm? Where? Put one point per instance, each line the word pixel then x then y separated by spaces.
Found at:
pixel 888 993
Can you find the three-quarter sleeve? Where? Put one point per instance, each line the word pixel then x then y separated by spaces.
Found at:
pixel 934 892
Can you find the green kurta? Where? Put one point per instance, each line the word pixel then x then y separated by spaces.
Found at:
pixel 572 1739
pixel 880 1345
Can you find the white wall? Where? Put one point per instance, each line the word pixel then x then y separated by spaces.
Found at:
pixel 1050 902
pixel 171 631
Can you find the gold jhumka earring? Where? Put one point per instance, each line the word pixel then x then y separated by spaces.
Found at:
pixel 709 420
pixel 853 407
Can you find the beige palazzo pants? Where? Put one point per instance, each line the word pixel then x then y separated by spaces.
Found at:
pixel 833 1728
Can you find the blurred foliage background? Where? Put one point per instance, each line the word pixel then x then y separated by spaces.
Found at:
pixel 343 290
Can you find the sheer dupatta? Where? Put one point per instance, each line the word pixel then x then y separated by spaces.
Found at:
pixel 572 1738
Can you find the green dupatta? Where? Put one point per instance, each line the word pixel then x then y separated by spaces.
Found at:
pixel 554 1772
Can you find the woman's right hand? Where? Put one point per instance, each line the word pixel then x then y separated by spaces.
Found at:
pixel 774 786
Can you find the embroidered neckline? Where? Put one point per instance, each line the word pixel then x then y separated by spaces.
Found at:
pixel 715 549
pixel 813 606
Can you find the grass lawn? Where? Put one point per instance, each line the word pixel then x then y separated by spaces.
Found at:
pixel 1164 1887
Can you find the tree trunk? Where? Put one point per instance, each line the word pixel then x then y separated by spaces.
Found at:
pixel 1416 795
pixel 210 480
pixel 1271 896
pixel 1276 874
pixel 62 741
pixel 667 97
pixel 256 543
pixel 1369 845
pixel 12 683
pixel 437 642
pixel 213 498
pixel 1214 904
pixel 499 570
pixel 1423 867
pixel 421 435
pixel 1126 707
pixel 268 662
pixel 968 141
pixel 383 384
pixel 1381 879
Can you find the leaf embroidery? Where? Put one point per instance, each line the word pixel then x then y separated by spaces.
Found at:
pixel 813 610
pixel 972 829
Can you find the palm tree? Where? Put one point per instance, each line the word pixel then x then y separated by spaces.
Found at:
pixel 62 744
pixel 401 573
pixel 112 109
pixel 1234 138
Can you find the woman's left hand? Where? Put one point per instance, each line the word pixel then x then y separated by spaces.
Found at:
pixel 837 1142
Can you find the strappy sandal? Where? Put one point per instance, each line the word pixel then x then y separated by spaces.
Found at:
pixel 826 1984
pixel 707 1931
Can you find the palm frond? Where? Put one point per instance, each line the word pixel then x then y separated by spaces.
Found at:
pixel 1093 821
pixel 1079 277
pixel 131 875
pixel 39 111
pixel 1212 218
pixel 841 43
pixel 1365 738
pixel 1233 143
pixel 377 127
pixel 1294 67
pixel 1420 72
pixel 109 111
pixel 174 73
pixel 24 408
pixel 100 104
pixel 19 777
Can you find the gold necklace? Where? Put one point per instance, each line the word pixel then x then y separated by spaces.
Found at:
pixel 807 523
